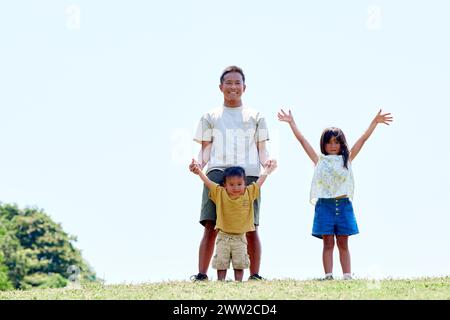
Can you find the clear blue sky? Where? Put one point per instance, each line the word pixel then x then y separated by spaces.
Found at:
pixel 99 101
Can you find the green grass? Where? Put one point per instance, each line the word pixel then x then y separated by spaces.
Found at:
pixel 426 288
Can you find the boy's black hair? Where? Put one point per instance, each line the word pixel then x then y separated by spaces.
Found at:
pixel 327 134
pixel 232 69
pixel 233 172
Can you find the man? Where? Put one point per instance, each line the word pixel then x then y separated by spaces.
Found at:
pixel 232 135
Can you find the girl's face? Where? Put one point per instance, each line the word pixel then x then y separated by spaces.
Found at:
pixel 333 147
pixel 235 186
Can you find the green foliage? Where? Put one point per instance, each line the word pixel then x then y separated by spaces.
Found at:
pixel 43 280
pixel 5 284
pixel 37 252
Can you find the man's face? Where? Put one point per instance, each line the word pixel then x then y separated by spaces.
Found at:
pixel 232 86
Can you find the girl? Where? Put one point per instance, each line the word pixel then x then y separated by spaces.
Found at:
pixel 332 189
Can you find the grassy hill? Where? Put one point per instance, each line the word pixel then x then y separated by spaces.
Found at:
pixel 426 288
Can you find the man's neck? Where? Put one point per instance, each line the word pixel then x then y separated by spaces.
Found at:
pixel 232 103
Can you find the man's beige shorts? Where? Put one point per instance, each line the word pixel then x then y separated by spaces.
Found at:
pixel 231 247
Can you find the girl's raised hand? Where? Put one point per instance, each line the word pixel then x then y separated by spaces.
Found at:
pixel 283 116
pixel 383 118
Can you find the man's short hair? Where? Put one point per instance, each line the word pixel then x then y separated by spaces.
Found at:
pixel 232 69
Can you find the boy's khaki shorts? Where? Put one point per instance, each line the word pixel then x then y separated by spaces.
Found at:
pixel 231 247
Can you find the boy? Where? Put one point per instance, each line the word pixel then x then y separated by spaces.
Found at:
pixel 234 208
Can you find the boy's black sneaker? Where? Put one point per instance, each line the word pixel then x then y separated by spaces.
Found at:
pixel 199 277
pixel 256 277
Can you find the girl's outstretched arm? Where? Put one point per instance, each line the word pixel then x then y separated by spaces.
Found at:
pixel 379 118
pixel 283 116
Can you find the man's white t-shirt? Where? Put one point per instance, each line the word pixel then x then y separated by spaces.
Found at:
pixel 234 133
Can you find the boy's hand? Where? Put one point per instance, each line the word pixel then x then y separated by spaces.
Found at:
pixel 195 167
pixel 270 166
pixel 383 118
pixel 283 116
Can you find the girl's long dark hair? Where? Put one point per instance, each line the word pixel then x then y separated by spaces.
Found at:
pixel 327 134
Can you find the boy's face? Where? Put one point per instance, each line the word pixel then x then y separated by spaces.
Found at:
pixel 333 147
pixel 235 186
pixel 232 86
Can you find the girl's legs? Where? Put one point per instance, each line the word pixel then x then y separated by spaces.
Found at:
pixel 344 254
pixel 238 274
pixel 221 274
pixel 327 255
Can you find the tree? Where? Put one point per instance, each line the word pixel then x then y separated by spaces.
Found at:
pixel 37 252
pixel 5 283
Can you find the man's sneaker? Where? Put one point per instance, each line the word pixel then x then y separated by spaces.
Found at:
pixel 326 278
pixel 199 277
pixel 347 276
pixel 255 277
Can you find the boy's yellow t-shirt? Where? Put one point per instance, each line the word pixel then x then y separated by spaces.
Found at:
pixel 234 216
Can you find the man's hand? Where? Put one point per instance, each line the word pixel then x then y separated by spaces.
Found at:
pixel 195 167
pixel 269 166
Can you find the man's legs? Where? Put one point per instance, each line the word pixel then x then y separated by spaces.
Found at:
pixel 206 248
pixel 254 251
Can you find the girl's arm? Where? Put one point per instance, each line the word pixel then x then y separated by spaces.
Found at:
pixel 195 168
pixel 305 144
pixel 379 118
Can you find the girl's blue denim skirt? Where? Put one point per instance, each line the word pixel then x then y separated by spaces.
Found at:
pixel 334 217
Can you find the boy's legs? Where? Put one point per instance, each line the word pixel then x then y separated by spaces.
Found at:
pixel 221 275
pixel 344 254
pixel 239 255
pixel 206 248
pixel 327 255
pixel 222 258
pixel 238 274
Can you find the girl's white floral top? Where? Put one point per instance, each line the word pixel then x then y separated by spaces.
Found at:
pixel 331 179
